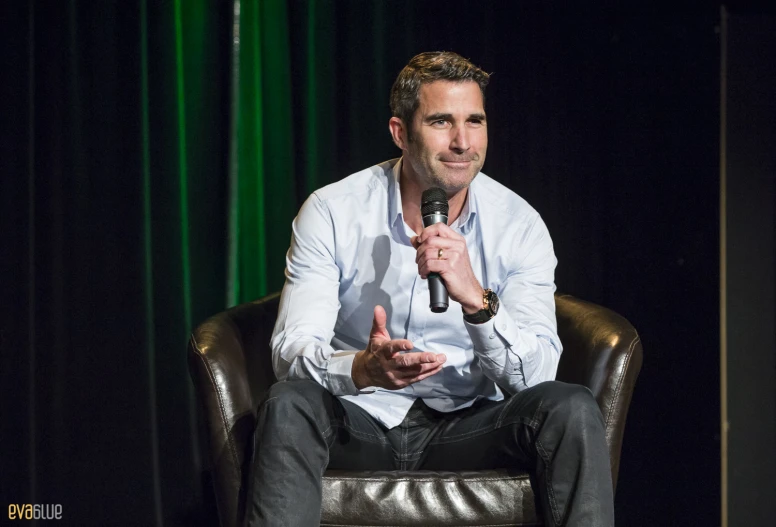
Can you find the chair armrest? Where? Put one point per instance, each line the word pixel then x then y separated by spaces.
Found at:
pixel 601 350
pixel 231 367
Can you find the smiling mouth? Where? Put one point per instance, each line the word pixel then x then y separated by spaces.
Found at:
pixel 457 164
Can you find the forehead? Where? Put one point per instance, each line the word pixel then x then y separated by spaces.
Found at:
pixel 451 97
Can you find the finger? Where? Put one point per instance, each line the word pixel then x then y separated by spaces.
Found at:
pixel 451 249
pixel 438 229
pixel 431 247
pixel 417 369
pixel 401 345
pixel 391 348
pixel 427 233
pixel 378 324
pixel 432 253
pixel 425 375
pixel 409 360
pixel 433 266
pixel 419 357
pixel 415 242
pixel 431 258
pixel 446 232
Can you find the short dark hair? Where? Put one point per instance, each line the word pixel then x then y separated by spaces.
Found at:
pixel 426 68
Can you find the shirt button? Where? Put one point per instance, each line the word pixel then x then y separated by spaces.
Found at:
pixel 503 327
pixel 492 336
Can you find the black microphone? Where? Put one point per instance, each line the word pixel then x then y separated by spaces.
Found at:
pixel 433 208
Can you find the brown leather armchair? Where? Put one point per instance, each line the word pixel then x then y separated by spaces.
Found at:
pixel 230 364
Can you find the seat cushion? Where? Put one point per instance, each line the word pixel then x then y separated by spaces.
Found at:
pixel 402 498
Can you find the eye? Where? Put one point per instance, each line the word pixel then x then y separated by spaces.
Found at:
pixel 439 123
pixel 475 122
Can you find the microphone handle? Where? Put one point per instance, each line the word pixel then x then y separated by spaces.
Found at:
pixel 438 293
pixel 440 300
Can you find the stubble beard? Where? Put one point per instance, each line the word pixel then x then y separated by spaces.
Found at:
pixel 434 176
pixel 455 180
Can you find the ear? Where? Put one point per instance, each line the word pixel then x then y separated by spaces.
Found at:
pixel 398 132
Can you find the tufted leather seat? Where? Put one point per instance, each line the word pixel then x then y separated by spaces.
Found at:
pixel 230 364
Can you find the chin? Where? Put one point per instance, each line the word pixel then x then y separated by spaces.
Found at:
pixel 453 183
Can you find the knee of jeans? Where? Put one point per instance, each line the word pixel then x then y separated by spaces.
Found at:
pixel 572 403
pixel 291 397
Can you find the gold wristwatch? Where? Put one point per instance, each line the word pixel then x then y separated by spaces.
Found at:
pixel 490 301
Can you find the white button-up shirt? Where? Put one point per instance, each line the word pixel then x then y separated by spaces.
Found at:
pixel 351 251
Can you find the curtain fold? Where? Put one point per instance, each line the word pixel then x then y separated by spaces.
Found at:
pixel 247 231
pixel 148 271
pixel 262 172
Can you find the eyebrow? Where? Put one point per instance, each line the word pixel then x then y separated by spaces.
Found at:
pixel 449 117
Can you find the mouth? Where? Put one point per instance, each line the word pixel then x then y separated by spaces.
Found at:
pixel 456 164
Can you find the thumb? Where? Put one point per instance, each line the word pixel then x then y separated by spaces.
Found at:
pixel 378 324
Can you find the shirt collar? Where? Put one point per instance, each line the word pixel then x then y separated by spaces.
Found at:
pixel 464 221
pixel 394 194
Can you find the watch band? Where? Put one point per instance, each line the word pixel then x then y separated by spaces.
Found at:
pixel 490 300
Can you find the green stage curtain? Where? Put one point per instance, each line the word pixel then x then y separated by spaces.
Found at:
pixel 149 181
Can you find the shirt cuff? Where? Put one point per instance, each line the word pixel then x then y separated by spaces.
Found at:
pixel 496 334
pixel 339 374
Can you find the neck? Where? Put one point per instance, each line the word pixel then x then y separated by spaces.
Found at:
pixel 411 193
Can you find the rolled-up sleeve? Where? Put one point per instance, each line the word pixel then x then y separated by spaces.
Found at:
pixel 309 305
pixel 519 347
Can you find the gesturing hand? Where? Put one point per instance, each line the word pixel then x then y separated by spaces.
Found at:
pixel 442 250
pixel 383 365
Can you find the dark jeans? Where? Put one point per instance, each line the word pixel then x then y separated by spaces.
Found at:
pixel 555 430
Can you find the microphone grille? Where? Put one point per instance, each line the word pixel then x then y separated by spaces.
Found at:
pixel 433 200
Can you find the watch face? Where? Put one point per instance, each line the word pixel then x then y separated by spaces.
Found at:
pixel 493 302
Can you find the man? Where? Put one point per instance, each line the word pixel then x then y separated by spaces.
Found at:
pixel 423 390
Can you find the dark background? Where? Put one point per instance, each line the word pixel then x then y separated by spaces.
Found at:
pixel 606 120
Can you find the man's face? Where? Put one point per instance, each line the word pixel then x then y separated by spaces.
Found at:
pixel 449 135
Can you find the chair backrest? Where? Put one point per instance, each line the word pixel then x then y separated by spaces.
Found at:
pixel 231 366
pixel 601 350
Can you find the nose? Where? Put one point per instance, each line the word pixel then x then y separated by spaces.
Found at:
pixel 459 142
